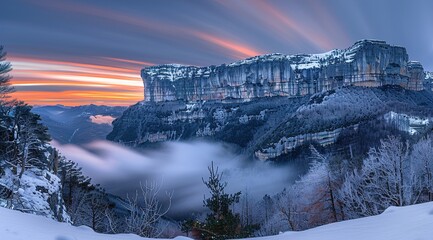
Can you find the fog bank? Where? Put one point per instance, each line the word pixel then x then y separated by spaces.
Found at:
pixel 179 166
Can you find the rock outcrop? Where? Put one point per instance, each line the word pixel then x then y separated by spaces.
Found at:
pixel 273 128
pixel 366 63
pixel 428 81
pixel 271 106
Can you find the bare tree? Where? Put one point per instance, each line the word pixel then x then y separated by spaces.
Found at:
pixel 318 190
pixel 287 207
pixel 146 210
pixel 421 159
pixel 386 179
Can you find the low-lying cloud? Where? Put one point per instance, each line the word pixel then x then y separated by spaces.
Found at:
pixel 179 166
pixel 102 119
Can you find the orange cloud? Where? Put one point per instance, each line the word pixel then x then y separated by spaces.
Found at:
pixel 101 119
pixel 237 50
pixel 73 98
pixel 99 84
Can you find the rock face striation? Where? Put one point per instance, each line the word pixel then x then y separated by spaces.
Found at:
pixel 367 63
pixel 346 120
pixel 273 106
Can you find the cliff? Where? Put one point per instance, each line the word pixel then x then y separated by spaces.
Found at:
pixel 428 83
pixel 366 63
pixel 272 106
pixel 275 128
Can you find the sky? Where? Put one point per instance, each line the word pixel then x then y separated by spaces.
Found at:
pixel 80 52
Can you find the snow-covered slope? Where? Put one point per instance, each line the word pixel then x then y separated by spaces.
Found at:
pixel 396 223
pixel 15 225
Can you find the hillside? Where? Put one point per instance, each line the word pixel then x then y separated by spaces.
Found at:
pixel 275 128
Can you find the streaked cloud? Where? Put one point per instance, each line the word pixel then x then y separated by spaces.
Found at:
pixel 70 83
pixel 237 50
pixel 100 46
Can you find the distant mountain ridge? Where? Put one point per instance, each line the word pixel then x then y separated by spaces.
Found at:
pixel 77 124
pixel 365 63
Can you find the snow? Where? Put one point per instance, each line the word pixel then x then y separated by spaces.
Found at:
pixel 174 72
pixel 36 188
pixel 397 223
pixel 15 225
pixel 406 123
pixel 300 61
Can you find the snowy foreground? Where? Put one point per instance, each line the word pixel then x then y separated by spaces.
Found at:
pixel 16 225
pixel 396 223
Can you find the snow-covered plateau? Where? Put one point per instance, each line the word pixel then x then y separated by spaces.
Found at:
pixel 397 223
pixel 368 63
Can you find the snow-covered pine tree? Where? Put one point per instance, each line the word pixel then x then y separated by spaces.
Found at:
pixel 5 86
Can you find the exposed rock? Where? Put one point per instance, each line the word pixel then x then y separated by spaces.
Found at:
pixel 37 192
pixel 366 63
pixel 270 127
pixel 288 144
pixel 428 81
pixel 407 123
pixel 271 105
pixel 416 76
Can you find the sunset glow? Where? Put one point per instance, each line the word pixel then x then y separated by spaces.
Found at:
pixel 236 50
pixel 43 82
pixel 63 51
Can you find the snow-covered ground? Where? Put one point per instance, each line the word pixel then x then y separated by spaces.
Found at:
pixel 396 223
pixel 16 225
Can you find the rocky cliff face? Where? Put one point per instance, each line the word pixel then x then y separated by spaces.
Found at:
pixel 428 81
pixel 272 128
pixel 271 106
pixel 366 63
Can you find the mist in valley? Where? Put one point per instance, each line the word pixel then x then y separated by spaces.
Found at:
pixel 179 168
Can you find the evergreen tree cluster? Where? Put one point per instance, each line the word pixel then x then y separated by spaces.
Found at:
pixel 221 222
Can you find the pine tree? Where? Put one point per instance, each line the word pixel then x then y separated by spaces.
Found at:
pixel 5 86
pixel 24 140
pixel 221 222
pixel 5 90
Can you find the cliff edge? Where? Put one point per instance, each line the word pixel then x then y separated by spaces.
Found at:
pixel 366 63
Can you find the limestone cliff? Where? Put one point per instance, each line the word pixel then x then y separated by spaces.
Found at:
pixel 366 63
pixel 272 106
pixel 428 81
pixel 275 127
